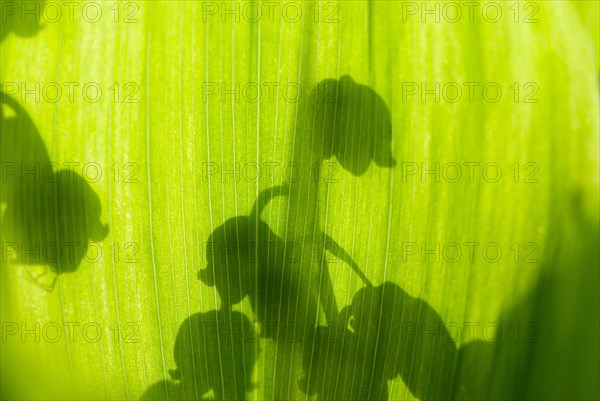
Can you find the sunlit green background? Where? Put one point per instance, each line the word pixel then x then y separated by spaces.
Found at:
pixel 157 200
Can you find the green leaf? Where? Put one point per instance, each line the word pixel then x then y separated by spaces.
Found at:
pixel 299 200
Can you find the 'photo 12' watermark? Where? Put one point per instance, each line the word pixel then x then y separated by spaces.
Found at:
pixel 469 251
pixel 70 332
pixel 270 11
pixel 453 12
pixel 53 172
pixel 71 92
pixel 59 253
pixel 469 92
pixel 270 172
pixel 470 172
pixel 53 12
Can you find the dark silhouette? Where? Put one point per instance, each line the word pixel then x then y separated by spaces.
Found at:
pixel 383 334
pixel 223 354
pixel 246 258
pixel 51 214
pixel 350 122
pixel 214 352
pixel 355 124
pixel 338 118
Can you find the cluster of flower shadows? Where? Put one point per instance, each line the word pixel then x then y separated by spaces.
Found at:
pixel 360 349
pixel 39 215
pixel 352 357
pixel 49 215
pixel 344 359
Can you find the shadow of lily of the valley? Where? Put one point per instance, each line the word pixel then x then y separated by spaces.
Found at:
pixel 50 214
pixel 381 336
pixel 347 121
pixel 352 123
pixel 342 120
